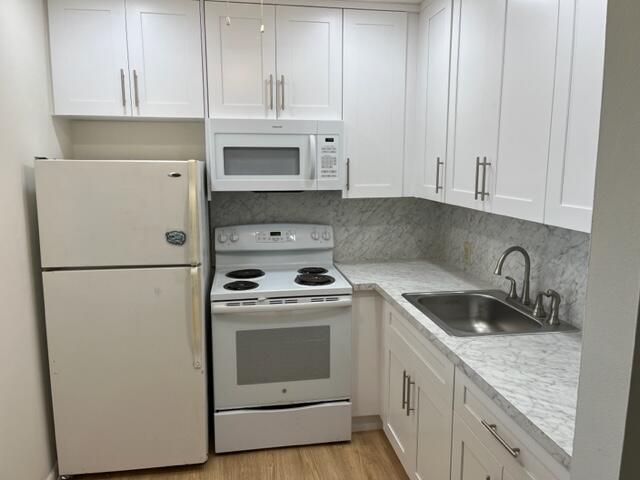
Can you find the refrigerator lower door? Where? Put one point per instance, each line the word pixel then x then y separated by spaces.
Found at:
pixel 128 379
pixel 103 213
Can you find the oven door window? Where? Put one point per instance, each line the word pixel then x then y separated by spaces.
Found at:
pixel 259 161
pixel 283 354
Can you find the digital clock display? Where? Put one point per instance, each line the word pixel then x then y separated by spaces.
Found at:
pixel 275 234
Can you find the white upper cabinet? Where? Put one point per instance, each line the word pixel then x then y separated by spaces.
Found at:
pixel 375 46
pixel 241 60
pixel 309 62
pixel 478 39
pixel 89 65
pixel 134 58
pixel 524 105
pixel 245 79
pixel 517 176
pixel 576 120
pixel 165 58
pixel 432 99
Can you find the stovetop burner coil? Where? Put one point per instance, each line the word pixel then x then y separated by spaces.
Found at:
pixel 246 273
pixel 314 279
pixel 240 285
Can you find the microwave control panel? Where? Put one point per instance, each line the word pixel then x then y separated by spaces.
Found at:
pixel 328 153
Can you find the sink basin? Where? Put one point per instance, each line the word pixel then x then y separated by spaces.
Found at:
pixel 480 312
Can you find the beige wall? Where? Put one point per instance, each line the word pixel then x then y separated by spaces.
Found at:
pixel 119 140
pixel 26 130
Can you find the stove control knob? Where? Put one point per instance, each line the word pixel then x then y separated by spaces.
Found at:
pixel 234 237
pixel 222 237
pixel 315 235
pixel 326 235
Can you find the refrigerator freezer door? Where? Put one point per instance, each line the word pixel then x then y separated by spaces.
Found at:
pixel 123 352
pixel 120 212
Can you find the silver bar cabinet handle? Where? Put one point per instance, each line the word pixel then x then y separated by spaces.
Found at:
pixel 438 163
pixel 484 178
pixel 348 173
pixel 282 92
pixel 493 430
pixel 270 91
pixel 135 89
pixel 476 193
pixel 404 389
pixel 409 384
pixel 124 99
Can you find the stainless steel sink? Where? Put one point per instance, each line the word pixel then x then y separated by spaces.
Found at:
pixel 480 312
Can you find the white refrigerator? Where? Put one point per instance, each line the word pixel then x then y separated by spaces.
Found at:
pixel 126 270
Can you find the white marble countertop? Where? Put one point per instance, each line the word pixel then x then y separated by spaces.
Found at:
pixel 533 378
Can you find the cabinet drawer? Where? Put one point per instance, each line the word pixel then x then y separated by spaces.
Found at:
pixel 481 415
pixel 434 369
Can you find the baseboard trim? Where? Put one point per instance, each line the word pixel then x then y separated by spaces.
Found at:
pixel 53 474
pixel 366 423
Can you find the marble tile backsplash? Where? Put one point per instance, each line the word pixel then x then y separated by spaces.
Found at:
pixel 411 228
pixel 364 229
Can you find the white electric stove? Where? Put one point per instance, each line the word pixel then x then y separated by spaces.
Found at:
pixel 281 338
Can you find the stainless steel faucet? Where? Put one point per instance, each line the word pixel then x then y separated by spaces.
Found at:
pixel 525 299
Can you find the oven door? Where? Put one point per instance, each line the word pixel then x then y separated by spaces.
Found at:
pixel 281 354
pixel 264 162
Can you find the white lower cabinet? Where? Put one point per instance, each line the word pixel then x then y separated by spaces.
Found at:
pixel 399 423
pixel 471 459
pixel 418 401
pixel 434 433
pixel 443 429
pixel 484 433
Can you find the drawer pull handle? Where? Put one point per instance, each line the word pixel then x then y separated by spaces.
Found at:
pixel 493 430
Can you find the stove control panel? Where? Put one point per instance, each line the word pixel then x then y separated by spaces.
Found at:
pixel 273 237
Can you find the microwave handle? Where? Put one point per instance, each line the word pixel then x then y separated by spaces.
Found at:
pixel 312 157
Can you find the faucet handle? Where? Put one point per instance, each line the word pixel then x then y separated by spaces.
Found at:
pixel 513 294
pixel 538 306
pixel 555 307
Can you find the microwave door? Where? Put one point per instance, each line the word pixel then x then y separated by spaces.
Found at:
pixel 264 162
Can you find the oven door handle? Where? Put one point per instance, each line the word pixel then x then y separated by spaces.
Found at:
pixel 222 308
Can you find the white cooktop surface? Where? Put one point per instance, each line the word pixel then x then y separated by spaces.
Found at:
pixel 277 282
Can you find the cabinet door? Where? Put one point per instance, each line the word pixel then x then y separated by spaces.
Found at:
pixel 89 57
pixel 399 426
pixel 374 88
pixel 309 62
pixel 165 58
pixel 576 122
pixel 478 34
pixel 470 458
pixel 433 96
pixel 434 435
pixel 241 61
pixel 518 174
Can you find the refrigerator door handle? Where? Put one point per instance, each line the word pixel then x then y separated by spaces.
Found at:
pixel 194 223
pixel 196 319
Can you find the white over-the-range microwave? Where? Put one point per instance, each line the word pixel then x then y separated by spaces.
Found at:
pixel 275 155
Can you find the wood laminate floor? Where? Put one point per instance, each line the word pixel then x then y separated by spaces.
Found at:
pixel 367 456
